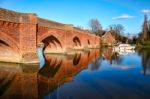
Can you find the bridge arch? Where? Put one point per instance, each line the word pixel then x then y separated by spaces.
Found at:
pixel 76 41
pixel 9 50
pixel 8 41
pixel 51 42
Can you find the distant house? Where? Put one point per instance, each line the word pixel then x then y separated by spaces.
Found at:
pixel 108 38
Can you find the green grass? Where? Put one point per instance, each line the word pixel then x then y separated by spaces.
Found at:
pixel 145 45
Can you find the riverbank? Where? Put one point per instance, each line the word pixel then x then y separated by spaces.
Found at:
pixel 144 45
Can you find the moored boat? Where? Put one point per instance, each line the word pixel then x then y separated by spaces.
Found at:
pixel 124 48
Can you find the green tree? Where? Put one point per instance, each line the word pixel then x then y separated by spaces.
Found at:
pixel 145 29
pixel 149 29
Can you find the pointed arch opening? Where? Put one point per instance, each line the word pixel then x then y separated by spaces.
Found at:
pixel 51 42
pixel 76 41
pixel 3 43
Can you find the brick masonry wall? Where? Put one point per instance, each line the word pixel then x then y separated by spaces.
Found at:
pixel 26 31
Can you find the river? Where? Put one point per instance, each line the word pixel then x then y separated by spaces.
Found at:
pixel 90 74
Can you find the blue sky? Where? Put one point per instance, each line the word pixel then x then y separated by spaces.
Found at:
pixel 79 12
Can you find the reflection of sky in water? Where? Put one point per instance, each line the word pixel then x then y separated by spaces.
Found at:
pixel 128 61
pixel 108 82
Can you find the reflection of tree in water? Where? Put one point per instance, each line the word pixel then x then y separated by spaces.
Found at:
pixel 112 57
pixel 96 64
pixel 116 58
pixel 145 55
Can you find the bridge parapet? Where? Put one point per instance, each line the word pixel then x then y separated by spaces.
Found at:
pixel 51 24
pixel 11 16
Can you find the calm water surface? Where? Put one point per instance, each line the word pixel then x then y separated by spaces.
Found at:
pixel 91 74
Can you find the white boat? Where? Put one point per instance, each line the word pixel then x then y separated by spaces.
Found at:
pixel 126 46
pixel 124 49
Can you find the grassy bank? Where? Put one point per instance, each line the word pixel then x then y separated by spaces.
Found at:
pixel 145 45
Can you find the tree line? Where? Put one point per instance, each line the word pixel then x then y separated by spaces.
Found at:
pixel 117 30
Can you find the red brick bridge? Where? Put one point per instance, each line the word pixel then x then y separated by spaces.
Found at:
pixel 22 33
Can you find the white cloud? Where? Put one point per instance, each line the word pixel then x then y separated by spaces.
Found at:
pixel 145 11
pixel 123 16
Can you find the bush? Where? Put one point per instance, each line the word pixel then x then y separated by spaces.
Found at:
pixel 144 44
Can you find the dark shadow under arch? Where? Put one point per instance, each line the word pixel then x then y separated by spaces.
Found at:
pixel 6 45
pixel 77 41
pixel 5 84
pixel 2 42
pixel 53 40
pixel 89 54
pixel 76 59
pixel 89 42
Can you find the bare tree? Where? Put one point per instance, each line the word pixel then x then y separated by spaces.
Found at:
pixel 117 30
pixel 80 27
pixel 95 26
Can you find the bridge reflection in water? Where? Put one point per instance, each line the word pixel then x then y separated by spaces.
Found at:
pixel 19 81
